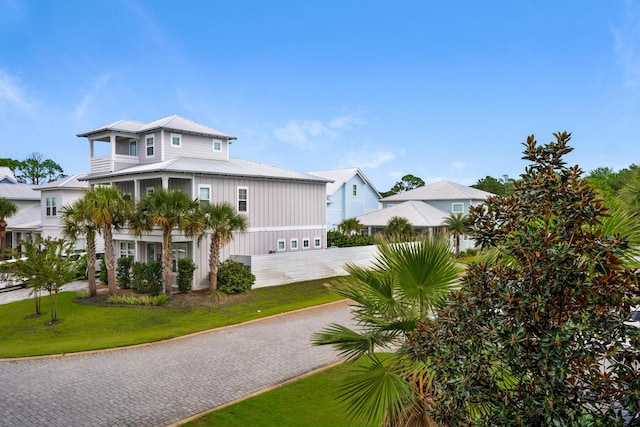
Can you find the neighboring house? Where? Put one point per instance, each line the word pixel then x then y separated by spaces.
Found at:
pixel 349 195
pixel 54 196
pixel 25 223
pixel 286 210
pixel 424 218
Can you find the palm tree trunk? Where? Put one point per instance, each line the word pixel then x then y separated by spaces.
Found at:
pixel 214 262
pixel 166 262
pixel 109 259
pixel 3 237
pixel 91 264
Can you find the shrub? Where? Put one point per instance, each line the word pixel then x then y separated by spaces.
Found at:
pixel 147 278
pixel 123 272
pixel 234 277
pixel 156 300
pixel 103 275
pixel 335 238
pixel 81 267
pixel 186 267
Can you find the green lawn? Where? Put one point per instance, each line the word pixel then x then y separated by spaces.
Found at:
pixel 87 327
pixel 307 402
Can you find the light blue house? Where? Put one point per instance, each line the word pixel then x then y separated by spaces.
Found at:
pixel 349 195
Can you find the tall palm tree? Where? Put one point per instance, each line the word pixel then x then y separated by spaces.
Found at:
pixel 109 209
pixel 220 222
pixel 407 282
pixel 455 224
pixel 7 209
pixel 76 221
pixel 399 228
pixel 350 226
pixel 170 210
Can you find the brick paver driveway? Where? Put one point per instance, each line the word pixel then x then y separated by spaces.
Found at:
pixel 163 383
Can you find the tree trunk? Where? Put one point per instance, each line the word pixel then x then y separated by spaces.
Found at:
pixel 109 259
pixel 214 261
pixel 91 264
pixel 166 262
pixel 3 237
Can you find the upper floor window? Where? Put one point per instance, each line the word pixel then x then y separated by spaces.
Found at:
pixel 150 144
pixel 176 140
pixel 217 145
pixel 354 190
pixel 133 147
pixel 204 194
pixel 52 209
pixel 457 207
pixel 243 199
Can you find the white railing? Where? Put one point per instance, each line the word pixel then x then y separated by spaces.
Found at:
pixel 100 164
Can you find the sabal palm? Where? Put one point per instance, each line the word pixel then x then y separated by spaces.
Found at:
pixel 170 210
pixel 349 226
pixel 630 193
pixel 7 209
pixel 220 222
pixel 399 228
pixel 455 224
pixel 406 283
pixel 109 209
pixel 76 221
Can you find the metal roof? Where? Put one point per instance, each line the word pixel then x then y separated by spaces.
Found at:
pixel 233 167
pixel 443 190
pixel 69 182
pixel 19 192
pixel 340 177
pixel 6 174
pixel 26 219
pixel 174 123
pixel 419 214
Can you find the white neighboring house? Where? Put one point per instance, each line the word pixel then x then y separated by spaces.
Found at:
pixel 25 224
pixel 349 195
pixel 286 210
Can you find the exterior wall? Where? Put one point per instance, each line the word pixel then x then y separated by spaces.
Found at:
pixel 142 149
pixel 200 147
pixel 343 204
pixel 445 205
pixel 335 208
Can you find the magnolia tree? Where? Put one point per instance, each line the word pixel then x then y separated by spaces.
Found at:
pixel 537 335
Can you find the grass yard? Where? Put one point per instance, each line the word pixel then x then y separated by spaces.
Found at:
pixel 307 402
pixel 90 327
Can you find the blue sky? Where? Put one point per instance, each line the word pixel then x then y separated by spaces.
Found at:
pixel 437 89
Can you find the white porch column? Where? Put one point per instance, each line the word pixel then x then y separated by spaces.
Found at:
pixel 165 182
pixel 112 140
pixel 136 190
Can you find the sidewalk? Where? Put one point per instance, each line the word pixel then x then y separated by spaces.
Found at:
pixel 20 294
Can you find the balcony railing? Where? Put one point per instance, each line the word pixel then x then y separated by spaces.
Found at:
pixel 102 164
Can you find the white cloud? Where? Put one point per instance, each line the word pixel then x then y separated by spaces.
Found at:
pixel 627 39
pixel 304 133
pixel 458 166
pixel 88 98
pixel 12 94
pixel 368 157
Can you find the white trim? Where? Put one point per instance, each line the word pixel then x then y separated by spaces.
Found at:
pixel 293 244
pixel 150 190
pixel 307 241
pixel 175 135
pixel 317 240
pixel 246 200
pixel 289 228
pixel 453 205
pixel 135 144
pixel 146 146
pixel 213 145
pixel 208 187
pixel 284 245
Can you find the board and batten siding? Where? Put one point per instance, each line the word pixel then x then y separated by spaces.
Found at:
pixel 199 147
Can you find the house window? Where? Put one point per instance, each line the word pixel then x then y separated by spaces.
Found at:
pixel 217 145
pixel 306 243
pixel 281 246
pixel 133 147
pixel 176 140
pixel 178 251
pixel 150 145
pixel 126 249
pixel 317 243
pixel 354 190
pixel 457 207
pixel 243 193
pixel 150 190
pixel 204 194
pixel 293 244
pixel 52 209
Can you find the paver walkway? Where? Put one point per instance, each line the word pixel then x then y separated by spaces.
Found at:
pixel 163 383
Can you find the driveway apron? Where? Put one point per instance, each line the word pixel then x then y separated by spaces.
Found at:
pixel 163 383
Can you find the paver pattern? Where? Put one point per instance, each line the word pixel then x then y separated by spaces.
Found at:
pixel 164 383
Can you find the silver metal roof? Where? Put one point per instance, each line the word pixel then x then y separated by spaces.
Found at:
pixel 19 192
pixel 443 190
pixel 419 214
pixel 26 219
pixel 69 182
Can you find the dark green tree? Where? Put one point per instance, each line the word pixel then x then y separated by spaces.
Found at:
pixel 399 228
pixel 409 182
pixel 350 226
pixel 7 209
pixel 36 170
pixel 501 186
pixel 537 334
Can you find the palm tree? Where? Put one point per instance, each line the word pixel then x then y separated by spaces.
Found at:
pixel 108 208
pixel 7 209
pixel 399 228
pixel 350 226
pixel 455 224
pixel 407 282
pixel 76 221
pixel 630 193
pixel 220 222
pixel 170 210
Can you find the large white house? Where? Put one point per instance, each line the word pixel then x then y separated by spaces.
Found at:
pixel 286 210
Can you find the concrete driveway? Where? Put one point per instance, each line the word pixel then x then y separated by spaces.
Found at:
pixel 160 384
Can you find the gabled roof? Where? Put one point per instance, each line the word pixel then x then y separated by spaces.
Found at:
pixel 26 219
pixel 233 167
pixel 19 192
pixel 171 123
pixel 70 182
pixel 7 176
pixel 443 190
pixel 342 176
pixel 419 214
